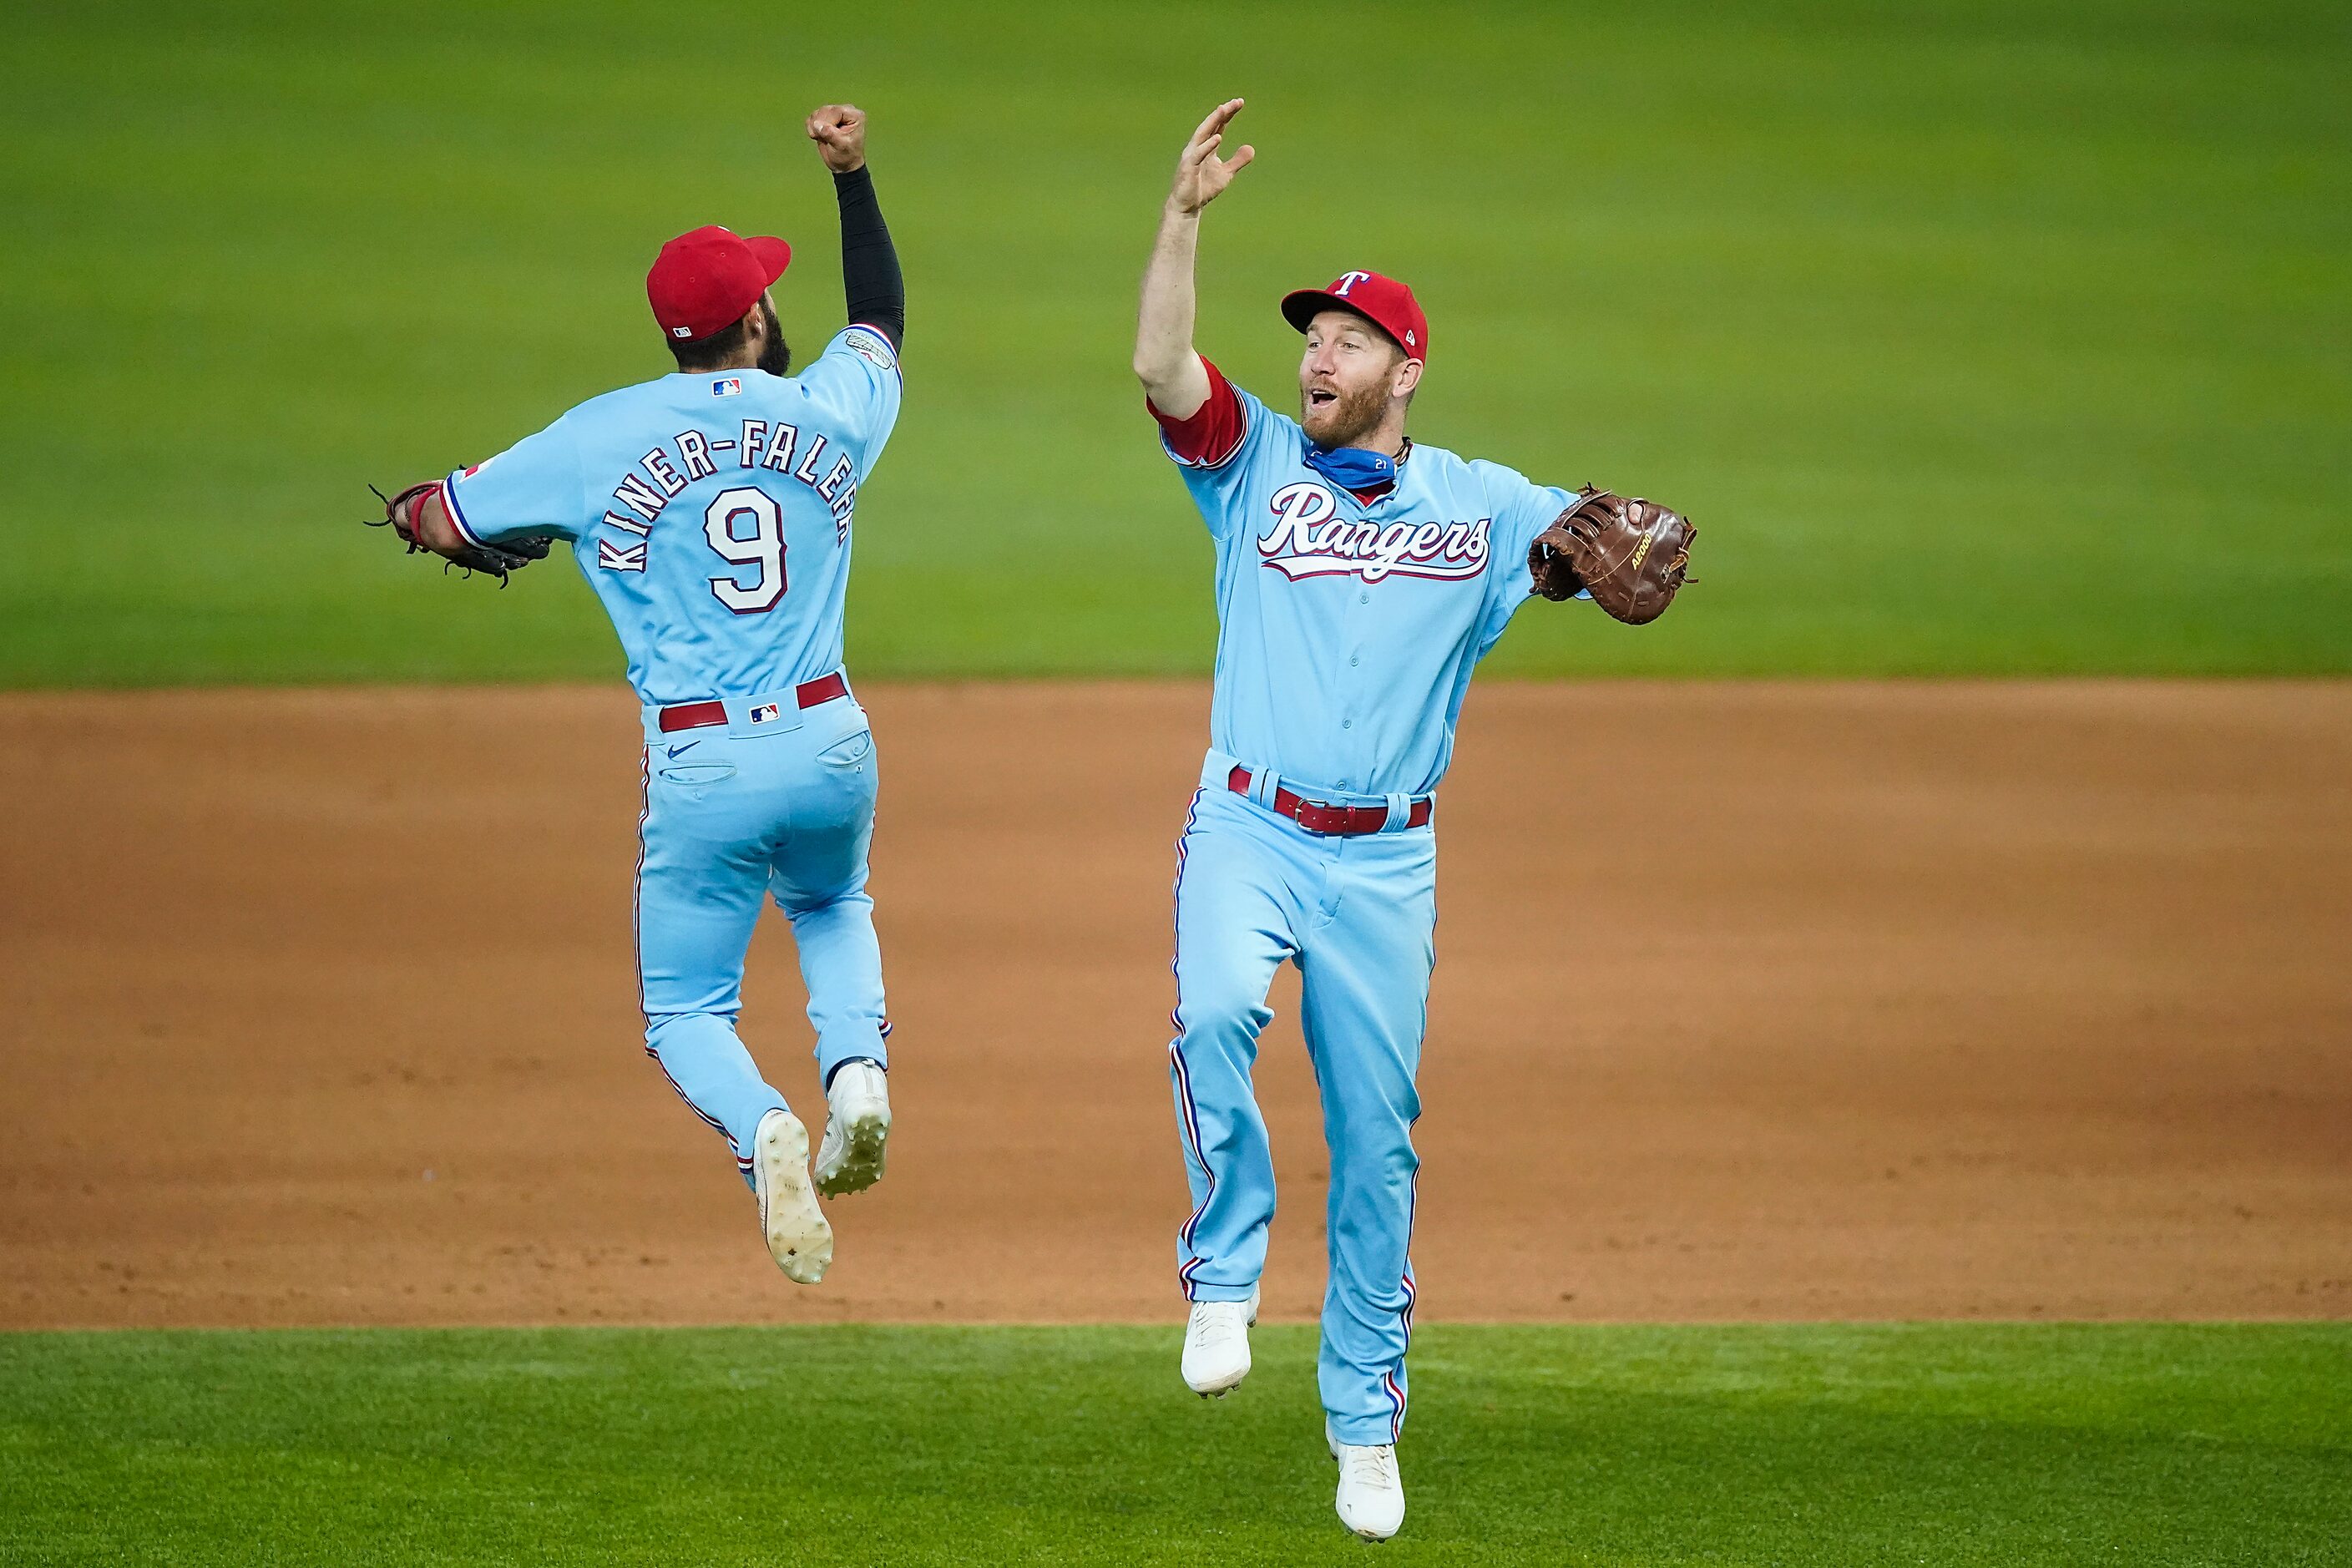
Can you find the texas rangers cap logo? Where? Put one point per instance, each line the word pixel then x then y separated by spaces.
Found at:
pixel 1385 302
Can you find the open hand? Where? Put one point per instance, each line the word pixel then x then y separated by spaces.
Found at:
pixel 1200 175
pixel 839 131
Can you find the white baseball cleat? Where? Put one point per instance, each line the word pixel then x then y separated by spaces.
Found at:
pixel 1216 1345
pixel 799 1238
pixel 850 1159
pixel 1371 1493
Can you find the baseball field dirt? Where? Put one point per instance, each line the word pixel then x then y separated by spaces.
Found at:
pixel 1790 1001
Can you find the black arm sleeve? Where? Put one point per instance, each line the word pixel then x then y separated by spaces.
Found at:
pixel 869 263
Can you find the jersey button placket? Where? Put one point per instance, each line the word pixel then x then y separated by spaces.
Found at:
pixel 1355 662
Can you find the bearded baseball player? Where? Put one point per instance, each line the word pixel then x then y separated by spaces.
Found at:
pixel 1359 577
pixel 711 509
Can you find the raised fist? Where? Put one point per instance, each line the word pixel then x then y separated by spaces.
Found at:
pixel 839 131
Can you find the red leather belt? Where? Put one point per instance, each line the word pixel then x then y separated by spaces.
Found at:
pixel 697 715
pixel 1341 821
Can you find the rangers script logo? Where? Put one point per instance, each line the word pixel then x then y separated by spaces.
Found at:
pixel 1309 539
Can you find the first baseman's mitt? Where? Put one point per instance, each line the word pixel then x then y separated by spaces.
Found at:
pixel 497 559
pixel 1631 555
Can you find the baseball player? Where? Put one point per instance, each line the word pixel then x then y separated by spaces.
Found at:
pixel 710 511
pixel 1359 577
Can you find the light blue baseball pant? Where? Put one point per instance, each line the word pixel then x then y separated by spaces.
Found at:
pixel 1357 916
pixel 732 813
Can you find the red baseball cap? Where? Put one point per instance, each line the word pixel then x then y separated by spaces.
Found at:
pixel 702 282
pixel 1385 302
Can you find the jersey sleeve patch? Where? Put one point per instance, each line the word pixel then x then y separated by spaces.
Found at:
pixel 869 345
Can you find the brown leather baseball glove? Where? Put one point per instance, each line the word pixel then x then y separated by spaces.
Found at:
pixel 497 559
pixel 1629 554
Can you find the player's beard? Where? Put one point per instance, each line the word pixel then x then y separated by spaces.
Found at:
pixel 1348 418
pixel 775 354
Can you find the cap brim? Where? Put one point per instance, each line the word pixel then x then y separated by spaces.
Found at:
pixel 772 255
pixel 1301 306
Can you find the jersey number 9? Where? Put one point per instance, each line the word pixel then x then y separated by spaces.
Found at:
pixel 747 527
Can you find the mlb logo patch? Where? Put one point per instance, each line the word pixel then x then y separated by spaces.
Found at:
pixel 764 713
pixel 728 386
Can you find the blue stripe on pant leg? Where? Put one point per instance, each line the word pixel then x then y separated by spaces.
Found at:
pixel 702 1059
pixel 1188 1119
pixel 1233 923
pixel 1197 1165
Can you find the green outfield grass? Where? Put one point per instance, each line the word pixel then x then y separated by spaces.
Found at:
pixel 1952 1444
pixel 1977 335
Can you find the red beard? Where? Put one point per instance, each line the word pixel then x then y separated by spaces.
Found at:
pixel 1347 420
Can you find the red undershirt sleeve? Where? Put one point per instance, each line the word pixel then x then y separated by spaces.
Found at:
pixel 1213 433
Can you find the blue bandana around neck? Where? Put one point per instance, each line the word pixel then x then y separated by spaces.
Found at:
pixel 1352 468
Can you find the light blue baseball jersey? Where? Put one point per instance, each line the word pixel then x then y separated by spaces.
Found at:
pixel 709 511
pixel 1347 633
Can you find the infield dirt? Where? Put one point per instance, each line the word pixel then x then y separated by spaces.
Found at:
pixel 1752 1001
